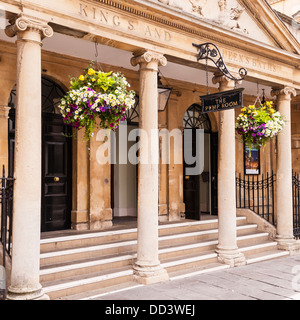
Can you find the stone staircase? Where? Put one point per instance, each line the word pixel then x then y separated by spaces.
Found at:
pixel 75 266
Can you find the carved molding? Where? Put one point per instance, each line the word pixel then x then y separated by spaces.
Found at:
pixel 176 24
pixel 4 111
pixel 148 57
pixel 287 93
pixel 220 78
pixel 229 18
pixel 23 23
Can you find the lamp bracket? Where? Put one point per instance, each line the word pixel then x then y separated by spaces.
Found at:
pixel 211 51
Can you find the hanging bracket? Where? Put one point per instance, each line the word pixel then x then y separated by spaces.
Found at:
pixel 211 51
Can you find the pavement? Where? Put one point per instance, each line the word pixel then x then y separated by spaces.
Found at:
pixel 277 279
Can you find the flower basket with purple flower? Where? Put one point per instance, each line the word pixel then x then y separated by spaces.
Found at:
pixel 257 125
pixel 96 95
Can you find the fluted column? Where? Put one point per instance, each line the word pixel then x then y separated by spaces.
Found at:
pixel 284 193
pixel 227 249
pixel 27 171
pixel 147 268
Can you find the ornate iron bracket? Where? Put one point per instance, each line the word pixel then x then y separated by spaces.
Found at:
pixel 211 51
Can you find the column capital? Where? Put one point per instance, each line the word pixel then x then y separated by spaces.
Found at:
pixel 286 93
pixel 147 57
pixel 224 81
pixel 24 23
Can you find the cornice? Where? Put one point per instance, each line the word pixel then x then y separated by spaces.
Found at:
pixel 201 28
pixel 277 30
pixel 164 16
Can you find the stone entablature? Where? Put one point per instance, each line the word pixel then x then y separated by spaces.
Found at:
pixel 131 25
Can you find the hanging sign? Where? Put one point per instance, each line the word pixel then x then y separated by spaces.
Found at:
pixel 222 100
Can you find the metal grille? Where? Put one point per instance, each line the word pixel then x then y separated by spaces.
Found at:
pixel 51 96
pixel 6 201
pixel 296 205
pixel 257 194
pixel 132 115
pixel 6 205
pixel 194 118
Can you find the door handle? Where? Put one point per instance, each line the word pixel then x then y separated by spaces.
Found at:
pixel 56 179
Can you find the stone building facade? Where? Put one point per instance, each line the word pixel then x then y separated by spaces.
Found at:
pixel 56 39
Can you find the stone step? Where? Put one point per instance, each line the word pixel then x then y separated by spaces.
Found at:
pixel 102 292
pixel 84 283
pixel 62 271
pixel 59 271
pixel 208 234
pixel 82 239
pixel 73 265
pixel 177 268
pixel 259 248
pixel 263 256
pixel 64 256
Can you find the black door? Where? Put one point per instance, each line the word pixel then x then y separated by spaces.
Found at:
pixel 214 173
pixel 56 175
pixel 56 197
pixel 191 185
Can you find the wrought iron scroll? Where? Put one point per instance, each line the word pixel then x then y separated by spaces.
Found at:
pixel 211 51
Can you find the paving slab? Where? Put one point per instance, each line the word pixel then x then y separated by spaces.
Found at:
pixel 277 279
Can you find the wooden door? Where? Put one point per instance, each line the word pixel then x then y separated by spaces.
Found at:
pixel 191 187
pixel 56 175
pixel 214 173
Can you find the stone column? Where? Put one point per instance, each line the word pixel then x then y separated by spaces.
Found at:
pixel 284 193
pixel 147 268
pixel 100 216
pixel 80 201
pixel 27 172
pixel 4 111
pixel 227 249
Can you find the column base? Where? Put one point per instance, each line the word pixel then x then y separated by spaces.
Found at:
pixel 287 244
pixel 19 294
pixel 149 274
pixel 233 258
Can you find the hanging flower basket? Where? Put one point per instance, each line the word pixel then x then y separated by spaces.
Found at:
pixel 258 125
pixel 96 95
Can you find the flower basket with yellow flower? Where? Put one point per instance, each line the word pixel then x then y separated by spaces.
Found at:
pixel 96 95
pixel 257 125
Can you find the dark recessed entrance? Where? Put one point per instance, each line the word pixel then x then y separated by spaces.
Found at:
pixel 56 198
pixel 200 190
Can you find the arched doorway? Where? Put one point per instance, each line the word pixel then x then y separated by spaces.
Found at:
pixel 200 190
pixel 56 197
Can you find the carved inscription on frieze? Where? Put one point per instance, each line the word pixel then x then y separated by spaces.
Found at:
pixel 111 19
